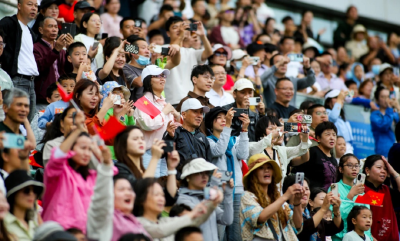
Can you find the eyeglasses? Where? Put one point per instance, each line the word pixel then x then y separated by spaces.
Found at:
pixel 220 73
pixel 2 45
pixel 159 76
pixel 28 190
pixel 321 113
pixel 209 77
pixel 352 166
pixel 96 21
pixel 219 54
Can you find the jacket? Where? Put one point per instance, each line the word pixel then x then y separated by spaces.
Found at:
pixel 190 146
pixel 237 124
pixel 13 31
pixel 45 57
pixel 343 127
pixel 381 127
pixel 216 37
pixel 18 229
pixel 220 216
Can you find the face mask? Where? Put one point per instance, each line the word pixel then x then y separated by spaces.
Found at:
pixel 375 69
pixel 143 60
pixel 349 75
pixel 238 65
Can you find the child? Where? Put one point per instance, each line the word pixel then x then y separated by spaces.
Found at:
pixel 52 95
pixel 358 221
pixel 68 83
pixel 155 36
pixel 77 54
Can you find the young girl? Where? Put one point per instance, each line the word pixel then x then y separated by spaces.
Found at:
pixel 111 18
pixel 358 222
pixel 349 167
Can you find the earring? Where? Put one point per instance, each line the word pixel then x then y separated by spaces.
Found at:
pixel 187 179
pixel 367 174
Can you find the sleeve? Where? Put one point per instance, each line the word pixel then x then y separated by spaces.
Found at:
pixel 266 75
pixel 129 74
pixel 130 120
pixel 219 148
pixel 331 228
pixel 296 151
pixel 347 237
pixel 381 123
pixel 44 60
pixel 259 146
pixel 334 113
pixel 361 101
pixel 307 81
pixel 308 228
pixel 101 209
pixel 90 122
pixel 46 117
pixel 242 147
pixel 225 216
pixel 294 140
pixel 198 54
pixel 144 121
pixel 215 37
pixel 57 162
pixel 166 228
pixel 251 210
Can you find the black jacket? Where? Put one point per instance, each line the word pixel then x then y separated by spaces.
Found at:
pixel 190 146
pixel 237 124
pixel 13 32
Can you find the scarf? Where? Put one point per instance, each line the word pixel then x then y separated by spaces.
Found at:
pixel 230 161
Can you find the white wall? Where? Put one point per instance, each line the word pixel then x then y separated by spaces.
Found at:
pixel 384 10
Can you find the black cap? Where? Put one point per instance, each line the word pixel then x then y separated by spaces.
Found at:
pixel 211 115
pixel 254 47
pixel 18 180
pixel 82 5
pixel 47 3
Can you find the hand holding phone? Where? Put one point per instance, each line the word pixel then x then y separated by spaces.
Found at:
pixel 334 190
pixel 11 140
pixel 210 193
pixel 165 51
pixel 169 146
pixel 95 45
pixel 300 178
pixel 239 112
pixel 254 100
pixel 295 57
pixel 225 175
pixel 130 48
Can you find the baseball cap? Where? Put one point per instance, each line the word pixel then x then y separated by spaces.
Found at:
pixel 238 54
pixel 153 70
pixel 193 104
pixel 82 5
pixel 242 84
pixel 227 49
pixel 332 94
pixel 384 67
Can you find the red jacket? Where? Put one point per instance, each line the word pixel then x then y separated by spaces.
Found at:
pixel 216 37
pixel 67 12
pixel 384 222
pixel 45 57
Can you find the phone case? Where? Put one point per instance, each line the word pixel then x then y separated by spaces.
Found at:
pixel 290 127
pixel 360 178
pixel 295 57
pixel 13 141
pixel 131 49
pixel 240 111
pixel 334 190
pixel 305 119
pixel 165 51
pixel 254 100
pixel 300 178
pixel 226 175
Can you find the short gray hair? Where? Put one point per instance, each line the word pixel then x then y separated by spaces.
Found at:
pixel 41 24
pixel 14 93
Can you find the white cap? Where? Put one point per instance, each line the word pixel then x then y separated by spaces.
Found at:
pixel 227 49
pixel 193 104
pixel 153 70
pixel 242 84
pixel 238 54
pixel 332 94
pixel 384 67
pixel 196 166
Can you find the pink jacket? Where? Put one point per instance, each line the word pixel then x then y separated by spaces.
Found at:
pixel 67 195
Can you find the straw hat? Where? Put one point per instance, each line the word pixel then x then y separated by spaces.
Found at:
pixel 257 161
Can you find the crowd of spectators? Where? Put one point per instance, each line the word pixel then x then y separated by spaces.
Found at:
pixel 130 120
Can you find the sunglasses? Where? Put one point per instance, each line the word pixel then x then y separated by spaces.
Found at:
pixel 219 54
pixel 27 190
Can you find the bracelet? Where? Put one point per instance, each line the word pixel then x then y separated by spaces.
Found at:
pixel 172 172
pixel 244 130
pixel 396 176
pixel 295 205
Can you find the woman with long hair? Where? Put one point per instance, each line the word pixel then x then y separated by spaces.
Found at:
pixel 22 194
pixel 314 224
pixel 385 222
pixel 150 202
pixel 349 167
pixel 265 213
pixel 69 182
pixel 89 27
pixel 154 79
pixel 4 207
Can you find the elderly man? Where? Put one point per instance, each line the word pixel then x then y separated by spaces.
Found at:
pixel 50 57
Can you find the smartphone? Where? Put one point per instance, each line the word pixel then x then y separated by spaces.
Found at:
pixel 226 176
pixel 157 49
pixel 169 147
pixel 95 45
pixel 130 48
pixel 240 111
pixel 138 23
pixel 305 119
pixel 247 8
pixel 360 178
pixel 334 190
pixel 165 51
pixel 104 35
pixel 68 28
pixel 192 27
pixel 296 57
pixel 254 60
pixel 73 117
pixel 350 93
pixel 210 193
pixel 396 71
pixel 290 127
pixel 117 100
pixel 254 100
pixel 13 141
pixel 300 178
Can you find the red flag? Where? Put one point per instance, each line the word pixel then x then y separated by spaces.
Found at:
pixel 110 129
pixel 32 160
pixel 147 107
pixel 64 96
pixel 371 198
pixel 245 168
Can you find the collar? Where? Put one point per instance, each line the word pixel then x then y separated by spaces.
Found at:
pixel 196 96
pixel 370 185
pixel 150 96
pixel 47 43
pixel 4 173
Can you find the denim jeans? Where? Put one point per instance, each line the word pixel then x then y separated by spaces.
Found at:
pixel 162 168
pixel 28 86
pixel 233 231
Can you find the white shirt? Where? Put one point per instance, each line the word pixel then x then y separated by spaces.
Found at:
pixel 178 83
pixel 217 100
pixel 264 12
pixel 293 69
pixel 26 59
pixel 230 35
pixel 89 41
pixel 2 185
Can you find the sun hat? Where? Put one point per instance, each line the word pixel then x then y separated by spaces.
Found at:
pixel 196 166
pixel 210 116
pixel 384 67
pixel 193 104
pixel 226 48
pixel 242 84
pixel 18 180
pixel 257 161
pixel 332 94
pixel 109 87
pixel 238 54
pixel 153 70
pixel 52 231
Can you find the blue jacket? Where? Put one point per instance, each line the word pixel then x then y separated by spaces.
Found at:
pixel 51 110
pixel 381 126
pixel 343 127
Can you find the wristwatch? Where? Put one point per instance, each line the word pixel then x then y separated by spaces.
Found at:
pixel 172 172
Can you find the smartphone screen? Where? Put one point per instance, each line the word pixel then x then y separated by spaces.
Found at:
pixel 295 57
pixel 95 45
